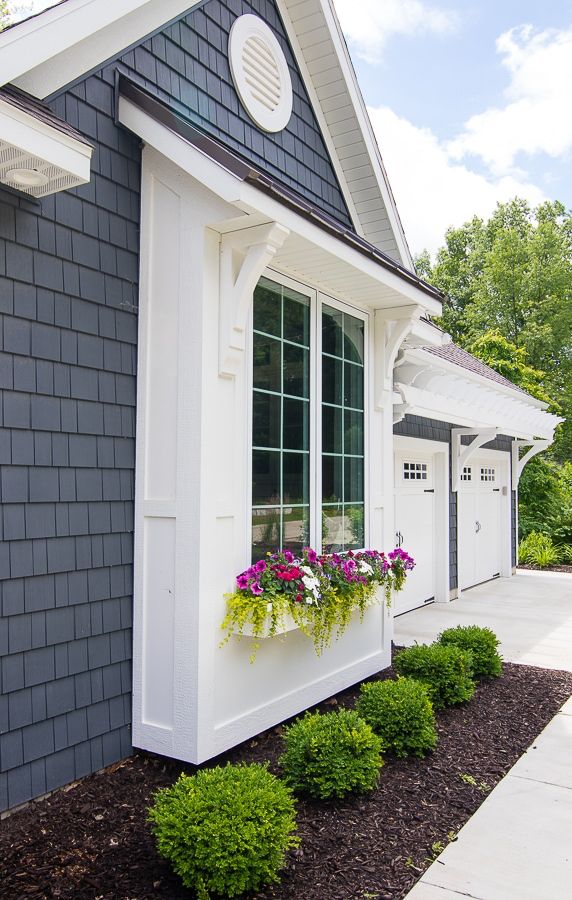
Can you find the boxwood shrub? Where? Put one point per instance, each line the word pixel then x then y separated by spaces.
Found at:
pixel 401 713
pixel 445 669
pixel 482 642
pixel 225 830
pixel 331 755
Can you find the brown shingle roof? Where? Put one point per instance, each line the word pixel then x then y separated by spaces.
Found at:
pixel 454 354
pixel 39 110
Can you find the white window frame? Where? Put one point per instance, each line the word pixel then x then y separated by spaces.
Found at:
pixel 317 300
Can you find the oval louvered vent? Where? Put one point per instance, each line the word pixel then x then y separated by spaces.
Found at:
pixel 260 73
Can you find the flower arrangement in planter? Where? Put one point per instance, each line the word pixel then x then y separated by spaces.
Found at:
pixel 316 593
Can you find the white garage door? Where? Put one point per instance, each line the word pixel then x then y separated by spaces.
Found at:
pixel 479 523
pixel 415 526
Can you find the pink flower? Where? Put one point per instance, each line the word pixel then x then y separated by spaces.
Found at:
pixel 260 566
pixel 242 581
pixel 288 556
pixel 256 588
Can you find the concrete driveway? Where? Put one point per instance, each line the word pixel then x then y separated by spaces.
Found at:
pixel 531 613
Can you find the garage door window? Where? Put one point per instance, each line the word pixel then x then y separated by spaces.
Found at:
pixel 414 471
pixel 488 473
pixel 466 474
pixel 307 403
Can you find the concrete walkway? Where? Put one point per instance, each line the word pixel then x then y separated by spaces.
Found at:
pixel 531 613
pixel 518 845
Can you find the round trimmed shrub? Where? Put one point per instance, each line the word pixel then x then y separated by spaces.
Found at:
pixel 445 669
pixel 331 755
pixel 225 830
pixel 482 642
pixel 401 713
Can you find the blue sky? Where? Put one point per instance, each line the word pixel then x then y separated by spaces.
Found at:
pixel 470 101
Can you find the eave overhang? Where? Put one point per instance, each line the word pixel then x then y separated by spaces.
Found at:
pixel 39 155
pixel 317 250
pixel 435 388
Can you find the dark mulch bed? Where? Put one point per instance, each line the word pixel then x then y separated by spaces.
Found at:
pixel 562 568
pixel 92 841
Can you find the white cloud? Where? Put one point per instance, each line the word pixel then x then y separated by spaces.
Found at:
pixel 368 24
pixel 536 118
pixel 433 191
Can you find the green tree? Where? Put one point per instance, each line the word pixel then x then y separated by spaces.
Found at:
pixel 511 278
pixel 4 15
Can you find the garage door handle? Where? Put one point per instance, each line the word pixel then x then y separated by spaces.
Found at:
pixel 429 491
pixel 398 538
pixel 477 527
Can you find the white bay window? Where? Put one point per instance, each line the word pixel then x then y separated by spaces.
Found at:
pixel 308 460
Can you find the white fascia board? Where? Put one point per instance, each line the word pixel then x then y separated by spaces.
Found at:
pixel 367 131
pixel 254 202
pixel 319 113
pixel 38 139
pixel 53 49
pixel 418 357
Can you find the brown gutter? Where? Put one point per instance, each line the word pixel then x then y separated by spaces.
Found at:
pixel 244 171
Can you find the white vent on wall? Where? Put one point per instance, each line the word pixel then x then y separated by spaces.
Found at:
pixel 260 73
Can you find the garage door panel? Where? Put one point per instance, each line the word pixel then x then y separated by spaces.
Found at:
pixel 415 520
pixel 479 523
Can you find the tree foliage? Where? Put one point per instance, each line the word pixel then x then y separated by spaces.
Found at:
pixel 509 283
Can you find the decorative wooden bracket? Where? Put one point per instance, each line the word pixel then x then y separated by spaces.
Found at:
pixel 391 328
pixel 461 454
pixel 519 462
pixel 400 406
pixel 244 254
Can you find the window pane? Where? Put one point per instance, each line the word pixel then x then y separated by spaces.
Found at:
pixel 296 424
pixel 296 528
pixel 267 313
pixel 332 331
pixel 342 430
pixel 332 487
pixel 332 417
pixel 267 363
pixel 354 527
pixel 332 529
pixel 332 370
pixel 353 480
pixel 265 420
pixel 265 532
pixel 296 317
pixel 265 477
pixel 296 371
pixel 353 339
pixel 295 472
pixel 353 386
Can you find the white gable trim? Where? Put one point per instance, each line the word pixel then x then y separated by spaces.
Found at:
pixel 58 46
pixel 353 144
pixel 53 49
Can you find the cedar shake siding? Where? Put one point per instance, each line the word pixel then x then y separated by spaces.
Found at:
pixel 68 309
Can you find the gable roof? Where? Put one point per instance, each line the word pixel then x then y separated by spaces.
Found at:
pixel 52 49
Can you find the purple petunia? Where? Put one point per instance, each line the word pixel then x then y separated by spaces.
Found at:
pixel 256 588
pixel 260 566
pixel 242 581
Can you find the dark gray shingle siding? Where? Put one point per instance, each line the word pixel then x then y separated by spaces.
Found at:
pixel 187 66
pixel 68 332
